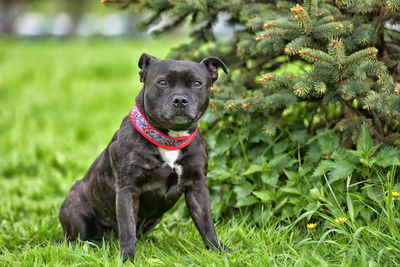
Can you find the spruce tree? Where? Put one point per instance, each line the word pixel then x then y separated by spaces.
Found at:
pixel 353 47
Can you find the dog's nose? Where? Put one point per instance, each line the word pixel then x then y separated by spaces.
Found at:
pixel 180 102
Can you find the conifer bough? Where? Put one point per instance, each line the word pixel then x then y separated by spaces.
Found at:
pixel 353 47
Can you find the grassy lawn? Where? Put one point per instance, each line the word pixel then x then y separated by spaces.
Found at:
pixel 60 103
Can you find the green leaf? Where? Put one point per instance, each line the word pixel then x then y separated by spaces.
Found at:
pixel 246 201
pixel 340 170
pixel 281 161
pixel 314 153
pixel 313 206
pixel 298 203
pixel 293 176
pixel 368 162
pixel 375 194
pixel 364 143
pixel 323 168
pixel 388 156
pixel 223 145
pixel 315 193
pixel 355 153
pixel 253 168
pixel 263 195
pixel 237 165
pixel 328 143
pixel 279 148
pixel 340 153
pixel 271 177
pixel 281 204
pixel 299 136
pixel 291 190
pixel 243 189
pixel 218 173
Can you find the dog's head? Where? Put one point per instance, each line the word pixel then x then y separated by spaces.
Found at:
pixel 176 93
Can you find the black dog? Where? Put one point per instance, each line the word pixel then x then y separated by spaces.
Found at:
pixel 155 157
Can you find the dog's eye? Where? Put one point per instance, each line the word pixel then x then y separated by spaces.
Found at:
pixel 197 84
pixel 162 83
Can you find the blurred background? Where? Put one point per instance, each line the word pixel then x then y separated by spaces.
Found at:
pixel 64 18
pixel 81 18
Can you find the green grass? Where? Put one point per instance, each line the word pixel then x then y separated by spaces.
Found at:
pixel 60 103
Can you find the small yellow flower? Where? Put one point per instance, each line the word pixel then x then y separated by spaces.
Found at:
pixel 311 225
pixel 395 195
pixel 340 220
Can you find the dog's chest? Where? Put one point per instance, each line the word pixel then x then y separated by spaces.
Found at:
pixel 170 157
pixel 168 177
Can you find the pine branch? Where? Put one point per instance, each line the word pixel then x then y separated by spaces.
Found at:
pixel 313 55
pixel 295 45
pixel 360 55
pixel 282 24
pixel 311 6
pixel 119 3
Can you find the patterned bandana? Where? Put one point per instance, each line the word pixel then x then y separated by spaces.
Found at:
pixel 155 136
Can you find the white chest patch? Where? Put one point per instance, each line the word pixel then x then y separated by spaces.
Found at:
pixel 170 156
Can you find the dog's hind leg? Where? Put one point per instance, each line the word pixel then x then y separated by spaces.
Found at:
pixel 74 227
pixel 76 221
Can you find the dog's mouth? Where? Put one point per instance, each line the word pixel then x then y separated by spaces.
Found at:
pixel 179 121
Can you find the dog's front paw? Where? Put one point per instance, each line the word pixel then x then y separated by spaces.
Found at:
pixel 128 254
pixel 218 246
pixel 222 246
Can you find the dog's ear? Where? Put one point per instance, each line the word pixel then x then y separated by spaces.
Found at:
pixel 212 64
pixel 144 61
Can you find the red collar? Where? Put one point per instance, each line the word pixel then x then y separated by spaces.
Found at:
pixel 155 136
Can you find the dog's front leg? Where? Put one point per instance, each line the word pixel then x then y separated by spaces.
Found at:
pixel 198 202
pixel 127 207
